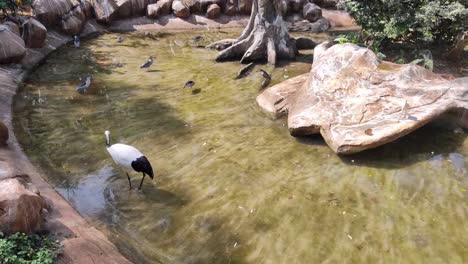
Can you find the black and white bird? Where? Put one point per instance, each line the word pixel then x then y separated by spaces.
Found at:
pixel 189 83
pixel 128 157
pixel 148 63
pixel 84 85
pixel 266 78
pixel 120 39
pixel 76 41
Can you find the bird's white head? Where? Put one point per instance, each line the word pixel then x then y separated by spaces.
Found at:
pixel 107 133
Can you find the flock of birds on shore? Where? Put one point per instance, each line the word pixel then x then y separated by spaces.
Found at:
pixel 128 157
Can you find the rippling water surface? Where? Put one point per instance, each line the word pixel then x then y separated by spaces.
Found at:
pixel 231 185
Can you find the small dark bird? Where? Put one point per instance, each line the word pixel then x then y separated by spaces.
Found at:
pixel 120 39
pixel 197 39
pixel 84 85
pixel 266 77
pixel 148 63
pixel 76 41
pixel 245 70
pixel 189 83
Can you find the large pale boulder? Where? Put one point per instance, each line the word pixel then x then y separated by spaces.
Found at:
pixel 21 206
pixel 12 47
pixel 34 33
pixel 180 10
pixel 3 134
pixel 358 102
pixel 213 11
pixel 312 12
pixel 153 10
pixel 105 10
pixel 49 12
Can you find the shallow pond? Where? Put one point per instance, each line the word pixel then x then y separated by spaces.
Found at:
pixel 231 185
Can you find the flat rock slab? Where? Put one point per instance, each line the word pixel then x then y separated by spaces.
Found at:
pixel 358 102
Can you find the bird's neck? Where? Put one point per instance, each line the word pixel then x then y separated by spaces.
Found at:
pixel 107 141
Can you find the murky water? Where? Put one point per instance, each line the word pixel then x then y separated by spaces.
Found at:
pixel 231 185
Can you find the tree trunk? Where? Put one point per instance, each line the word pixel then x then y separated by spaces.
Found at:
pixel 265 36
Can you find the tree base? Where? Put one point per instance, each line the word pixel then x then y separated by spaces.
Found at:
pixel 265 37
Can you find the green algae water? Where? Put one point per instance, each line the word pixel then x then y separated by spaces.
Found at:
pixel 231 185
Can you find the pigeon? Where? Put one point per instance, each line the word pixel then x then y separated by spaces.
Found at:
pixel 120 39
pixel 267 78
pixel 76 41
pixel 148 63
pixel 84 85
pixel 197 39
pixel 189 83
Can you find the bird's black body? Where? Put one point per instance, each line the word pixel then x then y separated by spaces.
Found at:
pixel 264 74
pixel 266 79
pixel 189 83
pixel 148 63
pixel 197 38
pixel 143 165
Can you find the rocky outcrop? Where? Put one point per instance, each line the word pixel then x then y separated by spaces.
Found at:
pixel 180 10
pixel 13 27
pixel 165 7
pixel 49 12
pixel 34 33
pixel 312 12
pixel 104 10
pixel 12 47
pixel 3 134
pixel 358 102
pixel 129 8
pixel 213 11
pixel 153 10
pixel 21 206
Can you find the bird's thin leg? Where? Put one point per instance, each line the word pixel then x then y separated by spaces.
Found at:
pixel 141 183
pixel 129 182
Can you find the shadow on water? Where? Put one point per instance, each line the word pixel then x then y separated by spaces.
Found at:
pixel 421 145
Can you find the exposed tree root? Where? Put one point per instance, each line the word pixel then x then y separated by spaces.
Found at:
pixel 265 37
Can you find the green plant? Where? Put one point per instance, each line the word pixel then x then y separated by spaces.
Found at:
pixel 20 248
pixel 12 5
pixel 410 21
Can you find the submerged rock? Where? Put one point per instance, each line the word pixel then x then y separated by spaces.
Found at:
pixel 12 47
pixel 358 102
pixel 21 206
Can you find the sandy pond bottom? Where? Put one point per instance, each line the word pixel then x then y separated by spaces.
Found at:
pixel 232 186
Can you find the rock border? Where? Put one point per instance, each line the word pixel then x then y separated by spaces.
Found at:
pixel 82 243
